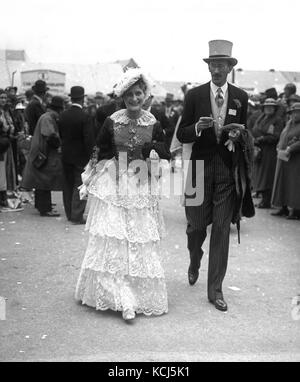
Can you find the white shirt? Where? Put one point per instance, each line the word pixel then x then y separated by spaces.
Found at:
pixel 213 89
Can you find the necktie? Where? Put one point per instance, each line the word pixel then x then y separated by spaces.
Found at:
pixel 219 98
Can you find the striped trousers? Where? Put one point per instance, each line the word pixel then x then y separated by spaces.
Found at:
pixel 216 209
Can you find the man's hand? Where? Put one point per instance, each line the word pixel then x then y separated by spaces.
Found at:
pixel 204 123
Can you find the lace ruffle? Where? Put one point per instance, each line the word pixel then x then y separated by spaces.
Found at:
pixel 121 257
pixel 136 225
pixel 106 291
pixel 121 117
pixel 122 192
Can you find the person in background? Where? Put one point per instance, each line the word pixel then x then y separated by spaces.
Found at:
pixel 99 99
pixel 48 176
pixel 266 132
pixel 78 141
pixel 36 107
pixel 8 184
pixel 172 116
pixel 287 180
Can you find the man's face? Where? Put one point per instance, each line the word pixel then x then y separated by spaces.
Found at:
pixel 288 91
pixel 219 70
pixel 296 116
pixel 3 99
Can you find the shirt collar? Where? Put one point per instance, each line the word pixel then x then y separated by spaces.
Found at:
pixel 77 104
pixel 38 98
pixel 214 88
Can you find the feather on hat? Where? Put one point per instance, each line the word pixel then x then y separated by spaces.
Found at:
pixel 129 78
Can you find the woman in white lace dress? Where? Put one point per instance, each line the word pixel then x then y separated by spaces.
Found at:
pixel 122 268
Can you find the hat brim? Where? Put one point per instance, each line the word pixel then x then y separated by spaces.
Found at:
pixel 77 97
pixel 233 61
pixel 270 104
pixel 46 88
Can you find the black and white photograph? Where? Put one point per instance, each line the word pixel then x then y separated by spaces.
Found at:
pixel 149 184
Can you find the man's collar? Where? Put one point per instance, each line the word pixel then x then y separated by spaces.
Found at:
pixel 77 104
pixel 38 98
pixel 214 88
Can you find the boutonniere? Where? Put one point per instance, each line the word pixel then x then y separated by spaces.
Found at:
pixel 237 102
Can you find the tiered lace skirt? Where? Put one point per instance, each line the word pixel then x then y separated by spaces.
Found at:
pixel 122 264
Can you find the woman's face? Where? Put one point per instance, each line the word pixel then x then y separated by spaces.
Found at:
pixel 3 99
pixel 134 98
pixel 269 110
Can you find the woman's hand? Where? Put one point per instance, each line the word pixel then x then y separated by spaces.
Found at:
pixel 153 154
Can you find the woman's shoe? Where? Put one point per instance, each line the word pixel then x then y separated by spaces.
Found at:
pixel 128 314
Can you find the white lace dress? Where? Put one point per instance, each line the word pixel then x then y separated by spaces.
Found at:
pixel 122 264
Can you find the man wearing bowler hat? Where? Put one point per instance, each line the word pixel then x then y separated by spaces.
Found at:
pixel 210 112
pixel 36 106
pixel 78 140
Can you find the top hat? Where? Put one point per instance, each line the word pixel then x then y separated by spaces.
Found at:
pixel 294 107
pixel 270 102
pixel 77 92
pixel 57 102
pixel 40 86
pixel 220 50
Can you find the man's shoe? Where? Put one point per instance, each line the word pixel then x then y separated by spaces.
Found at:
pixel 50 214
pixel 76 222
pixel 219 304
pixel 293 216
pixel 193 275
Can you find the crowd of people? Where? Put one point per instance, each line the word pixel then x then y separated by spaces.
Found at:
pixel 273 121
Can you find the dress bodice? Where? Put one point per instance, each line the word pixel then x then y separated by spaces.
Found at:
pixel 130 135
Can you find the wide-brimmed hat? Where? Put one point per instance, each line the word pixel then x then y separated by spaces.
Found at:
pixel 129 78
pixel 294 107
pixel 270 102
pixel 170 96
pixel 77 92
pixel 57 102
pixel 20 106
pixel 40 86
pixel 99 95
pixel 220 50
pixel 11 87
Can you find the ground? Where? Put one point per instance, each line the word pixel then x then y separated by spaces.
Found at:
pixel 40 260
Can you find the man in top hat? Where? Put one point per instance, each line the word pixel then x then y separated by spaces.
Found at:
pixel 77 136
pixel 36 107
pixel 210 112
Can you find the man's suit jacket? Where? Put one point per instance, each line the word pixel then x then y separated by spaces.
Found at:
pixel 33 112
pixel 197 104
pixel 77 136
